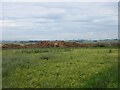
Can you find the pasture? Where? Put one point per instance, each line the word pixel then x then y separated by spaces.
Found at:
pixel 60 68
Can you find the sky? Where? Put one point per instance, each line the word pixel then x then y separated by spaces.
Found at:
pixel 59 0
pixel 59 20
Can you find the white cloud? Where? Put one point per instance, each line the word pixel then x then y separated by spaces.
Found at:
pixel 7 24
pixel 60 20
pixel 22 10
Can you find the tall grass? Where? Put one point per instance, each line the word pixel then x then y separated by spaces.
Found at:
pixel 60 67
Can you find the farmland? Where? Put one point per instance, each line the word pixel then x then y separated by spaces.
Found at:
pixel 60 67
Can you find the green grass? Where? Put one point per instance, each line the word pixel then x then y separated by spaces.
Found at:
pixel 60 67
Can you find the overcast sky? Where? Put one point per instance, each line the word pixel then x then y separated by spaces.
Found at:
pixel 59 21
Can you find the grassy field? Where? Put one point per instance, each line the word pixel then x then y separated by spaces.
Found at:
pixel 60 67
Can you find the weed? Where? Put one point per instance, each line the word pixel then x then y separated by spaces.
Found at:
pixel 45 58
pixel 60 67
pixel 110 51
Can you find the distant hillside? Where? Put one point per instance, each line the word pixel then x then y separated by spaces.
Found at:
pixel 78 41
pixel 61 44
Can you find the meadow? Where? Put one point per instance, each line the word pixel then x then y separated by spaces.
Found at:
pixel 60 68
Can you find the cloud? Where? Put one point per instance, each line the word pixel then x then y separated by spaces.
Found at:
pixel 23 10
pixel 59 20
pixel 60 0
